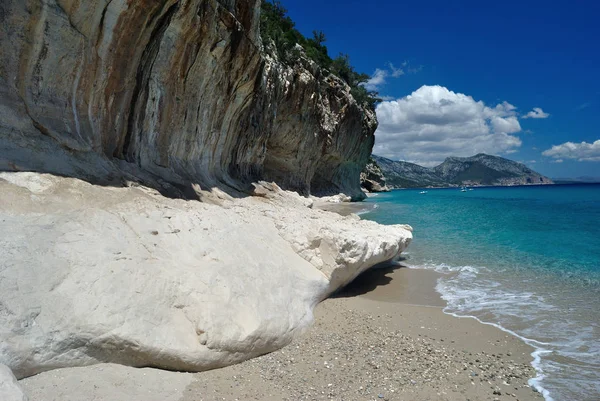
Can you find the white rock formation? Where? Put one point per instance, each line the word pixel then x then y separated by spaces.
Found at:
pixel 9 388
pixel 178 95
pixel 339 198
pixel 94 274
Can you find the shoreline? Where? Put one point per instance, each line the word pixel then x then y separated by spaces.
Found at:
pixel 385 337
pixel 488 186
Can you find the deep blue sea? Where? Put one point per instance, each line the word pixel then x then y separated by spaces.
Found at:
pixel 526 259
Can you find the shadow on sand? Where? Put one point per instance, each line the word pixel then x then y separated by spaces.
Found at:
pixel 371 279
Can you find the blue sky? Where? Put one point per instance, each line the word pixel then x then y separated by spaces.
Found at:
pixel 529 54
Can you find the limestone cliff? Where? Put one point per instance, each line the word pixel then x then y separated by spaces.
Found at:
pixel 178 95
pixel 181 89
pixel 372 178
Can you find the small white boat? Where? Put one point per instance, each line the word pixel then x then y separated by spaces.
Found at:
pixel 423 192
pixel 463 189
pixel 470 189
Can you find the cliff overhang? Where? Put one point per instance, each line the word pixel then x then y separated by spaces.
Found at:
pixel 183 90
pixel 105 102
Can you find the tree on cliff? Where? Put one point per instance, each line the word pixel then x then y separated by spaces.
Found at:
pixel 318 37
pixel 278 30
pixel 341 67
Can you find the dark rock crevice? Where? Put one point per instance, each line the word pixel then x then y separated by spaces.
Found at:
pixel 137 107
pixel 101 24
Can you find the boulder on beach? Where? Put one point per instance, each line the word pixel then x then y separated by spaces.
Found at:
pixel 102 274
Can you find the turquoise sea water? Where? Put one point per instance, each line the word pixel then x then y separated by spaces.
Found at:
pixel 526 259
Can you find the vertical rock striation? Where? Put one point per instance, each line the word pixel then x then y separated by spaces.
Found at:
pixel 180 88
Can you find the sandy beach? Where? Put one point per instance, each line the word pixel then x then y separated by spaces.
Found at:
pixel 388 339
pixel 384 338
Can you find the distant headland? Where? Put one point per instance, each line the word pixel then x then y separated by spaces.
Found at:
pixel 480 170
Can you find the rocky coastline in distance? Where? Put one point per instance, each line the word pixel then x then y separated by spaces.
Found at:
pixel 382 174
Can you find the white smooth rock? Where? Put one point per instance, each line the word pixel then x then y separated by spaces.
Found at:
pixel 339 198
pixel 9 388
pixel 93 274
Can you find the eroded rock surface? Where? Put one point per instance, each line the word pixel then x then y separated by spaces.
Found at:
pixel 180 96
pixel 372 178
pixel 180 88
pixel 9 388
pixel 94 274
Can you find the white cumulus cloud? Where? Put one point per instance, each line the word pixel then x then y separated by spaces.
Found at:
pixel 380 76
pixel 397 72
pixel 433 123
pixel 589 152
pixel 537 112
pixel 376 80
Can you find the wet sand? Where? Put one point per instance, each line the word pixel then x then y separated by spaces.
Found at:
pixel 383 338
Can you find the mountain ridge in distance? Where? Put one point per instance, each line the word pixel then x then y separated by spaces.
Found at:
pixel 478 170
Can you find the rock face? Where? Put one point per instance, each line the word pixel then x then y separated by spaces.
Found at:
pixel 400 174
pixel 178 96
pixel 95 274
pixel 181 89
pixel 372 178
pixel 9 388
pixel 480 169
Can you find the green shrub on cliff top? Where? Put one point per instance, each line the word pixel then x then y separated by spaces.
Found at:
pixel 278 27
pixel 341 67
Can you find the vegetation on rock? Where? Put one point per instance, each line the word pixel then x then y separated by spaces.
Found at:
pixel 279 34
